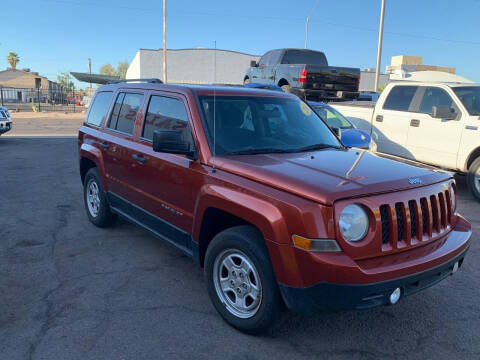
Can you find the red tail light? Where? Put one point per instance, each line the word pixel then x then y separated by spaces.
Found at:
pixel 303 76
pixel 358 81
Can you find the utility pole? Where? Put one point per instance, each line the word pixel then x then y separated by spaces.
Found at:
pixel 164 41
pixel 90 72
pixel 379 47
pixel 307 21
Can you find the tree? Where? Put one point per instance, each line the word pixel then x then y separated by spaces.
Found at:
pixel 107 69
pixel 13 59
pixel 122 68
pixel 120 71
pixel 65 82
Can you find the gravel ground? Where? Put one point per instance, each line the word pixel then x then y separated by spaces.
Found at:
pixel 71 291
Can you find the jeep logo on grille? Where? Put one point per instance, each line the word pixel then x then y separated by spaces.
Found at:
pixel 414 181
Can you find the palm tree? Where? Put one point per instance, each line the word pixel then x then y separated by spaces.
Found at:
pixel 13 59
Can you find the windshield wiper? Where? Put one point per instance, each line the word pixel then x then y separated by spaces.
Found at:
pixel 317 147
pixel 257 151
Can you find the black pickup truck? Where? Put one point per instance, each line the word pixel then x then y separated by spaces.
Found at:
pixel 305 73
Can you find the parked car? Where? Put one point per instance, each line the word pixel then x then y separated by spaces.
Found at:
pixel 5 120
pixel 349 135
pixel 305 73
pixel 255 188
pixel 433 123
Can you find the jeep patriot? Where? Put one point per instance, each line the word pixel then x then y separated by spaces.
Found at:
pixel 255 187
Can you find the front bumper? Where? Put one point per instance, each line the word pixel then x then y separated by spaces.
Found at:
pixel 5 126
pixel 355 296
pixel 346 284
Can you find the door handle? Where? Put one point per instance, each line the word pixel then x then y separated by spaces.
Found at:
pixel 379 118
pixel 415 122
pixel 139 158
pixel 104 145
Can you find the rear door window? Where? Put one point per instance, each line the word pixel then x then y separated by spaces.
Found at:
pixel 125 112
pixel 99 108
pixel 400 98
pixel 166 113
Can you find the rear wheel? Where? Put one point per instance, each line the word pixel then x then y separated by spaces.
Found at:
pixel 473 178
pixel 240 279
pixel 286 88
pixel 96 203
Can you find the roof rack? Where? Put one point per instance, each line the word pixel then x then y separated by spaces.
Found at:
pixel 152 81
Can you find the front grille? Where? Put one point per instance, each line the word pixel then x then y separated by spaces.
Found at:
pixel 432 211
pixel 384 209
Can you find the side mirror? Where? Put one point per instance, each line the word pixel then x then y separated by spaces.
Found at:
pixel 170 141
pixel 337 131
pixel 253 63
pixel 444 112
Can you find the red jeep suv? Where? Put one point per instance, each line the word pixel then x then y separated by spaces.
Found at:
pixel 255 187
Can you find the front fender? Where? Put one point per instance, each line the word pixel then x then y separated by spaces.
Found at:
pixel 260 213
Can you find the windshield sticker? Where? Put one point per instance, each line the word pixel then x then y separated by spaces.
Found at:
pixel 305 109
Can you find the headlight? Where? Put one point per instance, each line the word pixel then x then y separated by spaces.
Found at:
pixel 453 199
pixel 353 223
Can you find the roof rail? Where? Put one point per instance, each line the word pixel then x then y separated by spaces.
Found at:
pixel 152 81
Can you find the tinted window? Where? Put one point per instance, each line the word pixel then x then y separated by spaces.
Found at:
pixel 125 112
pixel 332 117
pixel 165 113
pixel 470 98
pixel 434 97
pixel 304 57
pixel 265 59
pixel 400 98
pixel 99 108
pixel 275 57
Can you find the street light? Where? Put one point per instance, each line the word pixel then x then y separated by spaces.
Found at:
pixel 307 21
pixel 379 47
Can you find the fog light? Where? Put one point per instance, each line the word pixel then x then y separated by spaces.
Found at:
pixel 455 267
pixel 395 296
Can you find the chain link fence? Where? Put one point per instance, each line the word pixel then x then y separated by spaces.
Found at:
pixel 24 99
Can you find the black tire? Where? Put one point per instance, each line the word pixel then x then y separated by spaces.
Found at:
pixel 473 184
pixel 246 81
pixel 104 217
pixel 250 242
pixel 286 88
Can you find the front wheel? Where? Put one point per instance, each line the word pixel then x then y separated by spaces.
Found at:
pixel 240 279
pixel 473 178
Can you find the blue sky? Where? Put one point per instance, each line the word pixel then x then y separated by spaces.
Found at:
pixel 52 36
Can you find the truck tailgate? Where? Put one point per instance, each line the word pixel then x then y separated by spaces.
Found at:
pixel 331 78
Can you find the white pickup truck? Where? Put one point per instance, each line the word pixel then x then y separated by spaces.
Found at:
pixel 432 123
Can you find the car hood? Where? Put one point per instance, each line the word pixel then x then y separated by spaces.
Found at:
pixel 328 175
pixel 356 138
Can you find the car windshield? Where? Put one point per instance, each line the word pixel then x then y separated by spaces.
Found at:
pixel 470 98
pixel 259 125
pixel 332 117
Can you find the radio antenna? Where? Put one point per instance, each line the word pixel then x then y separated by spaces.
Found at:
pixel 214 104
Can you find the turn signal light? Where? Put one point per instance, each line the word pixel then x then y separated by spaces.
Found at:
pixel 318 245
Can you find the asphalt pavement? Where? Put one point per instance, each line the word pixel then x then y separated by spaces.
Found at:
pixel 69 290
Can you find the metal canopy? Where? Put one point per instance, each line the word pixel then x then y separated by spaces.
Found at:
pixel 94 78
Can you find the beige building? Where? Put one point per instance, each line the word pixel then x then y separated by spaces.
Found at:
pixel 410 64
pixel 26 79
